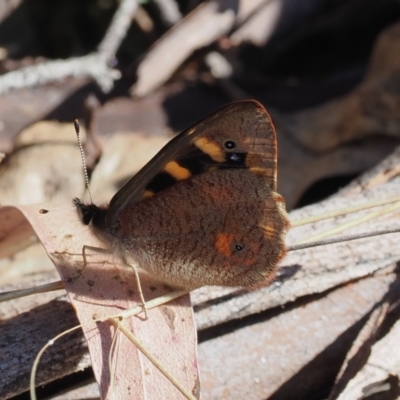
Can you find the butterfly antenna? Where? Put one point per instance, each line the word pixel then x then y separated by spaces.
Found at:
pixel 77 130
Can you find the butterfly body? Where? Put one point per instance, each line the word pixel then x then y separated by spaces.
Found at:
pixel 204 211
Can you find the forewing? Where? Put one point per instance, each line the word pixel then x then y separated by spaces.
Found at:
pixel 237 136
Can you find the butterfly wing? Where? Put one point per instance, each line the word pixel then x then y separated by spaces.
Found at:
pixel 237 136
pixel 226 227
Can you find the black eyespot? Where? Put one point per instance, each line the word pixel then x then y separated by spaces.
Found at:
pixel 239 247
pixel 230 144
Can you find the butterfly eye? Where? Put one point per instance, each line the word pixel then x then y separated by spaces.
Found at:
pixel 230 144
pixel 238 247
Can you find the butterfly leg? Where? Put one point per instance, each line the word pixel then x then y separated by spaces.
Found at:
pixel 85 248
pixel 139 286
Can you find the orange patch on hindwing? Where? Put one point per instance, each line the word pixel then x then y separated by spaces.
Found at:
pixel 269 230
pixel 229 246
pixel 223 243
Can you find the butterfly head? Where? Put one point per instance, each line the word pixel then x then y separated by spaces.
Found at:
pixel 90 214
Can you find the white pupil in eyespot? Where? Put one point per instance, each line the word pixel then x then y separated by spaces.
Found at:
pixel 234 157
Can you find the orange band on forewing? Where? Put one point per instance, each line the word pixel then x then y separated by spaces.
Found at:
pixel 210 148
pixel 178 172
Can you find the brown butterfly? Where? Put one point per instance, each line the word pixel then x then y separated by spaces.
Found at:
pixel 204 210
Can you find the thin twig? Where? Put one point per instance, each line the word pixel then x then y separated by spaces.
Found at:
pixel 342 211
pixel 340 239
pixel 352 223
pixel 16 294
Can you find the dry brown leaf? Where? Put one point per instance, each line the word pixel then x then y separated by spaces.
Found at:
pixel 383 363
pixel 123 156
pixel 361 348
pixel 299 168
pixel 47 172
pixel 370 109
pixel 200 28
pixel 207 23
pixel 20 108
pixel 48 131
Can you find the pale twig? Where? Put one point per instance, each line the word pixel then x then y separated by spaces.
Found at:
pixel 169 11
pixel 95 66
pixel 39 356
pixel 342 211
pixel 353 223
pixel 340 239
pixel 118 28
pixel 149 305
pixel 16 294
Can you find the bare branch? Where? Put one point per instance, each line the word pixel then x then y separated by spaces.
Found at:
pixel 118 28
pixel 94 66
pixel 91 66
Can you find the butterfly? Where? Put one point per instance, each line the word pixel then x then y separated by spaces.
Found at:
pixel 204 210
